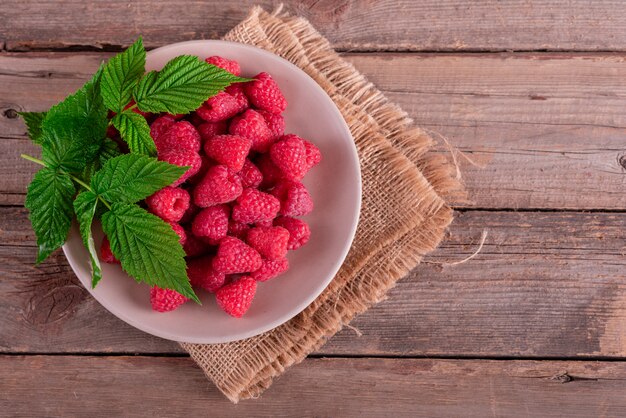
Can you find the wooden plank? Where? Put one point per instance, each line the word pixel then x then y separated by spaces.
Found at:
pixel 548 130
pixel 441 25
pixel 125 386
pixel 544 285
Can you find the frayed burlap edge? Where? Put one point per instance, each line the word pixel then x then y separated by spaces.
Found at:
pixel 404 215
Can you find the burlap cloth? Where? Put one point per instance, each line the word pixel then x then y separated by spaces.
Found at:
pixel 404 213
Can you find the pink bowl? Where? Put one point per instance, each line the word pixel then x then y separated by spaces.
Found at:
pixel 335 186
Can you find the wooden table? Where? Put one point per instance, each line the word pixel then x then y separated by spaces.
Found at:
pixel 535 325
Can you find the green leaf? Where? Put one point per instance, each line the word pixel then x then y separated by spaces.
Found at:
pixel 85 207
pixel 49 200
pixel 109 150
pixel 147 247
pixel 73 130
pixel 132 177
pixel 120 75
pixel 33 123
pixel 181 86
pixel 135 131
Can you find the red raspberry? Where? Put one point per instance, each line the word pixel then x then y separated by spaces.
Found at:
pixel 201 274
pixel 177 116
pixel 220 185
pixel 196 120
pixel 229 150
pixel 313 154
pixel 271 173
pixel 235 298
pixel 180 136
pixel 270 242
pixel 210 129
pixel 231 66
pixel 238 229
pixel 106 254
pixel 165 300
pixel 275 122
pixel 112 132
pixel 182 158
pixel 270 269
pixel 294 198
pixel 160 126
pixel 253 206
pixel 190 213
pixel 265 223
pixel 211 223
pixel 265 94
pixel 194 246
pixel 235 256
pixel 250 124
pixel 299 232
pixel 250 175
pixel 220 107
pixel 236 90
pixel 169 203
pixel 180 232
pixel 289 155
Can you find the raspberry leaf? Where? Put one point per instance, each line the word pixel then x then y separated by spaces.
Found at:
pixel 132 177
pixel 85 208
pixel 147 247
pixel 49 200
pixel 120 75
pixel 181 86
pixel 33 124
pixel 109 150
pixel 72 131
pixel 135 131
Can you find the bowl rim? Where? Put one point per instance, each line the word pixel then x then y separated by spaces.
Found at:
pixel 74 262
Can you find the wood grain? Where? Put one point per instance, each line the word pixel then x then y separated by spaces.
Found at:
pixel 432 25
pixel 544 130
pixel 109 386
pixel 544 285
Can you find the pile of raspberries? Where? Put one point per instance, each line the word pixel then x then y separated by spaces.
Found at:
pixel 236 208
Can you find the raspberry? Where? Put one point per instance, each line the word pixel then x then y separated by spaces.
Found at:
pixel 229 150
pixel 219 185
pixel 265 223
pixel 182 158
pixel 250 124
pixel 201 274
pixel 250 175
pixel 270 269
pixel 220 107
pixel 196 120
pixel 270 242
pixel 211 222
pixel 165 300
pixel 299 232
pixel 235 298
pixel 253 206
pixel 160 126
pixel 190 213
pixel 271 173
pixel 177 116
pixel 235 256
pixel 180 136
pixel 105 252
pixel 294 198
pixel 180 232
pixel 289 155
pixel 265 94
pixel 238 229
pixel 169 203
pixel 210 129
pixel 236 90
pixel 194 246
pixel 275 122
pixel 231 66
pixel 313 154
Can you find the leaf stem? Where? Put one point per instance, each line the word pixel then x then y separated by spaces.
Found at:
pixel 76 179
